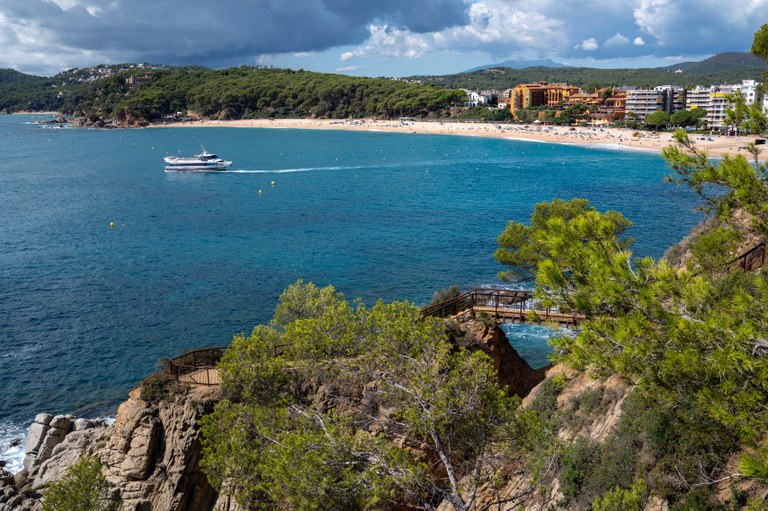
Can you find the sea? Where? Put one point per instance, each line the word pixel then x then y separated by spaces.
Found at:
pixel 108 263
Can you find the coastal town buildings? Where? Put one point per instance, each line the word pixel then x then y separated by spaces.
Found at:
pixel 716 100
pixel 607 108
pixel 528 95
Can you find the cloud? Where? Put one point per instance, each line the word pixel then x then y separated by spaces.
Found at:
pixel 588 44
pixel 388 41
pixel 213 32
pixel 616 40
pixel 349 69
pixel 46 36
pixel 700 26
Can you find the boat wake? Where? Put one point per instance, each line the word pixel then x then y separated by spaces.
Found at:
pixel 288 171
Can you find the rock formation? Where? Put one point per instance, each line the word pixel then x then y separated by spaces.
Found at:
pixel 151 455
pixel 513 371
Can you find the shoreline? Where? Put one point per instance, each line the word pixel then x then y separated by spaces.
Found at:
pixel 620 139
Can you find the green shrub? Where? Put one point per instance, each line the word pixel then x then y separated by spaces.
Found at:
pixel 83 488
pixel 545 403
pixel 714 249
pixel 159 386
pixel 619 499
pixel 578 463
pixel 442 295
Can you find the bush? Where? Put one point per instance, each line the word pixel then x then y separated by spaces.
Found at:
pixel 159 386
pixel 578 464
pixel 618 499
pixel 545 403
pixel 442 295
pixel 83 488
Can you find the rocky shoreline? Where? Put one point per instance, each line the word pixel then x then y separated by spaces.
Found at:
pixel 151 453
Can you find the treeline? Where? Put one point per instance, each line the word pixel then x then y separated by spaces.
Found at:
pixel 720 69
pixel 19 91
pixel 235 93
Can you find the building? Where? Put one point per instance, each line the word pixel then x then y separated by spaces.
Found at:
pixel 475 99
pixel 716 100
pixel 136 81
pixel 663 98
pixel 643 102
pixel 697 98
pixel 528 95
pixel 584 98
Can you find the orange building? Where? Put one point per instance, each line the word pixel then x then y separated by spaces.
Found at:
pixel 528 95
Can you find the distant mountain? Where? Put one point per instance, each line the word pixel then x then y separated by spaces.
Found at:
pixel 722 62
pixel 519 64
pixel 719 69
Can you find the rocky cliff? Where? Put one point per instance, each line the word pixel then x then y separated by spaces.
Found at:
pixel 150 454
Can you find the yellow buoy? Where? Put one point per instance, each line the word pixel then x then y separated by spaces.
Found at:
pixel 111 225
pixel 272 183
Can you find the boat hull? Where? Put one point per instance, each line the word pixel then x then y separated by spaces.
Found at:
pixel 198 168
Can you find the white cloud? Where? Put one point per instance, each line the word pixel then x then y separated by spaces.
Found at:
pixel 588 44
pixel 701 26
pixel 494 26
pixel 388 41
pixel 47 35
pixel 349 69
pixel 616 40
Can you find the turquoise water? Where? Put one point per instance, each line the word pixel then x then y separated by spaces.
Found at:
pixel 86 310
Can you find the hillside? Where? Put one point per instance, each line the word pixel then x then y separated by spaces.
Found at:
pixel 234 93
pixel 519 64
pixel 101 92
pixel 722 68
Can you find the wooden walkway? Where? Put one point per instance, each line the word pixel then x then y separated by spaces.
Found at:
pixel 506 305
pixel 197 367
pixel 202 376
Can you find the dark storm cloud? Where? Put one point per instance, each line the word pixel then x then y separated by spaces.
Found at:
pixel 179 30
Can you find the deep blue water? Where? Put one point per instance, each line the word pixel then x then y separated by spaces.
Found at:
pixel 86 310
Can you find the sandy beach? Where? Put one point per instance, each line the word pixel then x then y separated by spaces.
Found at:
pixel 609 138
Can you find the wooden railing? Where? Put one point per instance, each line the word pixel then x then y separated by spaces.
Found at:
pixel 752 259
pixel 197 366
pixel 503 304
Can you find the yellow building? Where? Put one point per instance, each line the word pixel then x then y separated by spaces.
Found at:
pixel 528 95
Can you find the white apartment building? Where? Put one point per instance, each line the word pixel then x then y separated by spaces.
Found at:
pixel 715 100
pixel 644 102
pixel 667 98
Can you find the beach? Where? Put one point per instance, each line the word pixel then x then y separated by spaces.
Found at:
pixel 609 138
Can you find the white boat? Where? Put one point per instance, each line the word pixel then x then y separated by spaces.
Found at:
pixel 202 161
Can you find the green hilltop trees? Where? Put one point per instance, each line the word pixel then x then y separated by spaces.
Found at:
pixel 249 92
pixel 339 406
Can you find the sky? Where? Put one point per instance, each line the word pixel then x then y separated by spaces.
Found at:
pixel 371 37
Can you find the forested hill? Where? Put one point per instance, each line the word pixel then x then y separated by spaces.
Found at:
pixel 719 69
pixel 244 92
